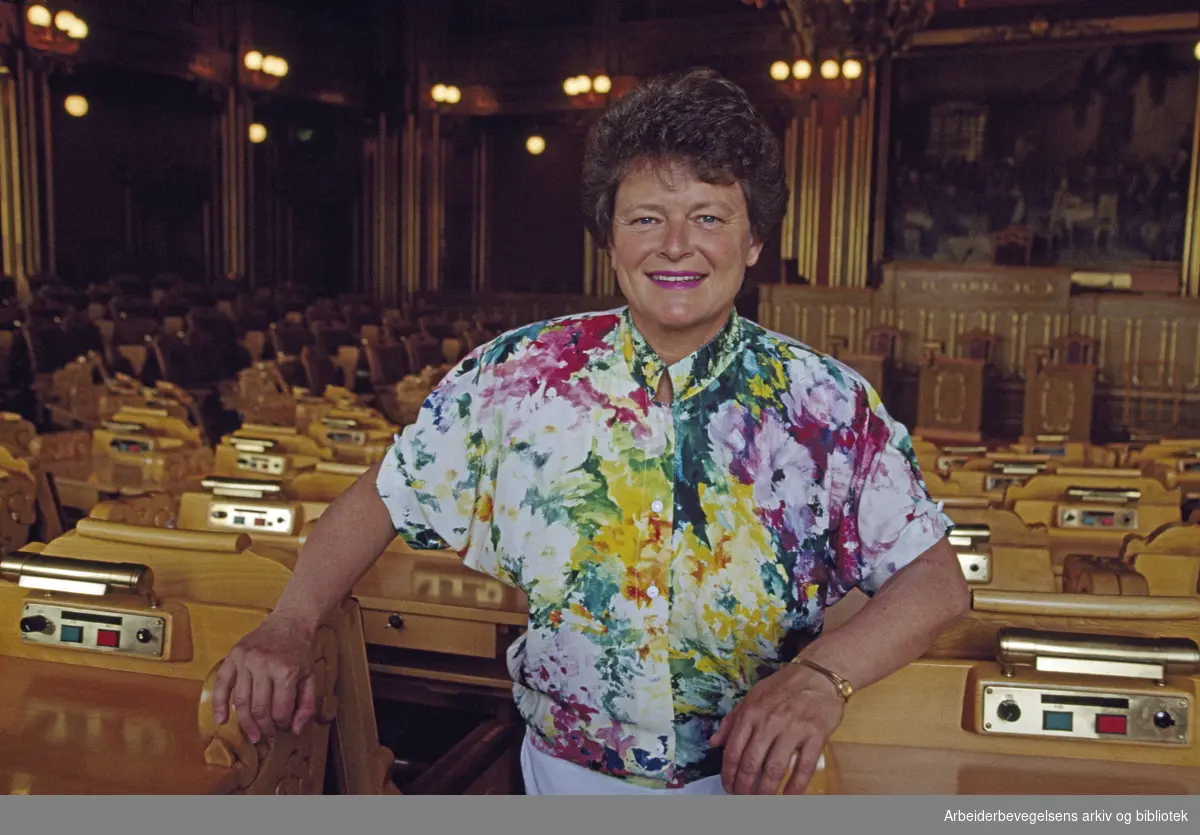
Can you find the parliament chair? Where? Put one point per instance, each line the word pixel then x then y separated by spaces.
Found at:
pixel 16 434
pixel 944 459
pixel 139 450
pixel 354 436
pixel 262 396
pixel 1168 559
pixel 1036 692
pixel 1060 389
pixel 157 509
pixel 1152 397
pixel 1177 466
pixel 268 452
pixel 387 363
pixel 258 507
pixel 996 550
pixel 954 391
pixel 1061 450
pixel 938 487
pixel 875 361
pixel 436 631
pixel 1090 512
pixel 18 501
pixel 108 683
pixel 992 475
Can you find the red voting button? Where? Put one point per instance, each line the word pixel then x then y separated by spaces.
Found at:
pixel 1107 723
pixel 108 638
pixel 259 522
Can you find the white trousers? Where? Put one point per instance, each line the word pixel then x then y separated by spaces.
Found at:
pixel 545 774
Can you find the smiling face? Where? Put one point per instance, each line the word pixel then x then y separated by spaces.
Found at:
pixel 680 248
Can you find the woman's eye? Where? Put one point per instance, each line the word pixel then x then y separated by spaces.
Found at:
pixel 644 221
pixel 709 219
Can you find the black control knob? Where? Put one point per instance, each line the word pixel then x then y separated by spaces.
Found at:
pixel 1164 720
pixel 1008 710
pixel 395 621
pixel 144 636
pixel 35 623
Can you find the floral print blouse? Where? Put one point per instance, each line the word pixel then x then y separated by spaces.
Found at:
pixel 672 554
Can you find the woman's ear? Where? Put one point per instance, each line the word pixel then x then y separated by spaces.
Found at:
pixel 756 248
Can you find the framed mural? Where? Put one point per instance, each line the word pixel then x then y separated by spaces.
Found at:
pixel 1074 154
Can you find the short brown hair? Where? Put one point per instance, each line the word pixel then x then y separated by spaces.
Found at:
pixel 696 117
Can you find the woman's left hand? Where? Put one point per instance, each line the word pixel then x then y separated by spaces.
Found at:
pixel 795 710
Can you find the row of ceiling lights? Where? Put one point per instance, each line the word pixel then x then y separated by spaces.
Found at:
pixel 581 85
pixel 802 70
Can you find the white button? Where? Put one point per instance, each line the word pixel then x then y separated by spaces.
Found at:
pixel 657 506
pixel 652 592
pixel 551 393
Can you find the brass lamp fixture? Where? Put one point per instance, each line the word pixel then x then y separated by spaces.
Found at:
pixel 49 30
pixel 589 91
pixel 445 94
pixel 836 39
pixel 261 71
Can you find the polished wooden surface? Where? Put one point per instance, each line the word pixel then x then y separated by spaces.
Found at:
pixel 951 396
pixel 72 730
pixel 866 769
pixel 928 705
pixel 1025 308
pixel 436 583
pixel 1059 400
pixel 1169 559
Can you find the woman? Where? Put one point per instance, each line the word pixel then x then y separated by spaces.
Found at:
pixel 679 492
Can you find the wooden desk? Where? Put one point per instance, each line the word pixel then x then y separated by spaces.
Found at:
pixel 81 730
pixel 111 720
pixel 437 637
pixel 858 768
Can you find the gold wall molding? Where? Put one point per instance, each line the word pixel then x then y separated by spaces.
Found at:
pixel 1191 243
pixel 381 212
pixel 599 277
pixel 830 171
pixel 1038 30
pixel 26 174
pixel 233 241
pixel 435 202
pixel 410 208
pixel 481 197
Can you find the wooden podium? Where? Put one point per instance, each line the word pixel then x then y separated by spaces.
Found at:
pixel 1060 388
pixel 952 391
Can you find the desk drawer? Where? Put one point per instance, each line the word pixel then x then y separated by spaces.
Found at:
pixel 431 634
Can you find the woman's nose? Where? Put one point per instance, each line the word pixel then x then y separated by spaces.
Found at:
pixel 676 242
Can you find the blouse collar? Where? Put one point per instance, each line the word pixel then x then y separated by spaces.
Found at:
pixel 693 373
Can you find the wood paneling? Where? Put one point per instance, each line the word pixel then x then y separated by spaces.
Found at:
pixel 1149 346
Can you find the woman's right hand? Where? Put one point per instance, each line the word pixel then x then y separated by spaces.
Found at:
pixel 267 676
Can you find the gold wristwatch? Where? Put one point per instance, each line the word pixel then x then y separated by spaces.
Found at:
pixel 844 688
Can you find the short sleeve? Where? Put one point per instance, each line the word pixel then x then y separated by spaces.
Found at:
pixel 436 479
pixel 888 518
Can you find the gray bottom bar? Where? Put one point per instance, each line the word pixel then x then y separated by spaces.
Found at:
pixel 828 815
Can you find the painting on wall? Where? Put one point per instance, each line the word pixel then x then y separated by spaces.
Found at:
pixel 1073 155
